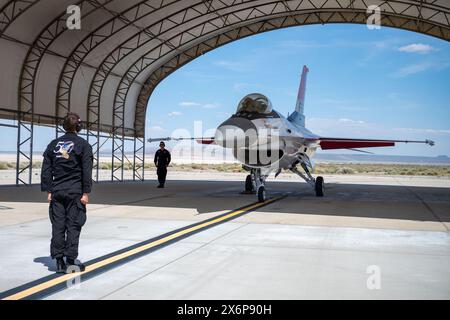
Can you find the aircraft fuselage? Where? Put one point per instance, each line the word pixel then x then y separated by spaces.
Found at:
pixel 265 140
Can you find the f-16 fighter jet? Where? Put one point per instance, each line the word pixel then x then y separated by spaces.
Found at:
pixel 265 141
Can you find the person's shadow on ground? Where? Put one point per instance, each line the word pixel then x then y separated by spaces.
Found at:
pixel 48 262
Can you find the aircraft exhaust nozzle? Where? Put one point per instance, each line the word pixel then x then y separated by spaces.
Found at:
pixel 236 133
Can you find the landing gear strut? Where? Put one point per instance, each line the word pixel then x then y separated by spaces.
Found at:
pixel 317 184
pixel 255 183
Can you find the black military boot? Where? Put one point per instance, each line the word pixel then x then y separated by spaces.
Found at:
pixel 60 265
pixel 72 266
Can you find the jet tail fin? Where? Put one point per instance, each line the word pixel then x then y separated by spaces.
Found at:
pixel 298 117
pixel 300 104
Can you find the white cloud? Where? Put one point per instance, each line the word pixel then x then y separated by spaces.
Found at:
pixel 437 65
pixel 240 85
pixel 156 129
pixel 349 128
pixel 351 121
pixel 221 114
pixel 210 106
pixel 417 48
pixel 412 69
pixel 337 43
pixel 189 104
pixel 246 86
pixel 424 131
pixel 298 44
pixel 343 104
pixel 174 113
pixel 235 66
pixel 339 126
pixel 224 63
pixel 201 105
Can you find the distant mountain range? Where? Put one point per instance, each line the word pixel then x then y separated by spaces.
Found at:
pixel 375 158
pixel 360 157
pixel 333 158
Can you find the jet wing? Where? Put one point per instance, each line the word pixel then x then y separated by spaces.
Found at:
pixel 205 140
pixel 327 143
pixel 209 140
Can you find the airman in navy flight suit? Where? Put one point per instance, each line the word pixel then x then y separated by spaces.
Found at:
pixel 67 178
pixel 162 161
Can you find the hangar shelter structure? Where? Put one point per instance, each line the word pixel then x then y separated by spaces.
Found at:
pixel 107 70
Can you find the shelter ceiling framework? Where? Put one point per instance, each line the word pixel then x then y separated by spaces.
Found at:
pixel 107 70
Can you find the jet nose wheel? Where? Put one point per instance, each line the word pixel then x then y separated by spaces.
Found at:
pixel 319 186
pixel 261 194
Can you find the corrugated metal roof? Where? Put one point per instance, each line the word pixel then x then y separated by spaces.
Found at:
pixel 107 70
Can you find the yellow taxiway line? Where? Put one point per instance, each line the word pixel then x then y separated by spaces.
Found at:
pixel 35 289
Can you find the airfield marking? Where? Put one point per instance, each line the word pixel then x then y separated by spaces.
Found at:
pixel 56 282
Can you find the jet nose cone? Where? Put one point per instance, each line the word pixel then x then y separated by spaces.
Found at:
pixel 236 133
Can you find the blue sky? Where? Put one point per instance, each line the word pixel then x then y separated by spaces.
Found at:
pixel 385 83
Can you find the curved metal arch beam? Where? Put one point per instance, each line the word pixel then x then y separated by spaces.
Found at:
pixel 8 14
pixel 150 58
pixel 105 68
pixel 127 47
pixel 207 45
pixel 148 61
pixel 36 52
pixel 118 118
pixel 88 44
pixel 92 41
pixel 118 112
pixel 252 27
pixel 12 10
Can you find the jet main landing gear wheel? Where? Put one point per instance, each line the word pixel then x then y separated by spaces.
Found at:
pixel 319 186
pixel 249 184
pixel 261 194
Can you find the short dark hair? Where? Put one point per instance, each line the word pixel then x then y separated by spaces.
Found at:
pixel 72 122
pixel 162 143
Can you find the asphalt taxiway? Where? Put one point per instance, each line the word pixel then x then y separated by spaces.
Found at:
pixel 202 239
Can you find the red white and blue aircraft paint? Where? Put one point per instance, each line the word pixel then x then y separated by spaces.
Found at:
pixel 264 141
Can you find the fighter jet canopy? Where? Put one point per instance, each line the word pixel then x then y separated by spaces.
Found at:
pixel 255 103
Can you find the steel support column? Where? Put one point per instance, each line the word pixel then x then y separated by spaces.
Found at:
pixel 138 158
pixel 118 135
pixel 93 138
pixel 24 162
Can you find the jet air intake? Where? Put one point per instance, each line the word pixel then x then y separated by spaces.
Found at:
pixel 257 158
pixel 236 132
